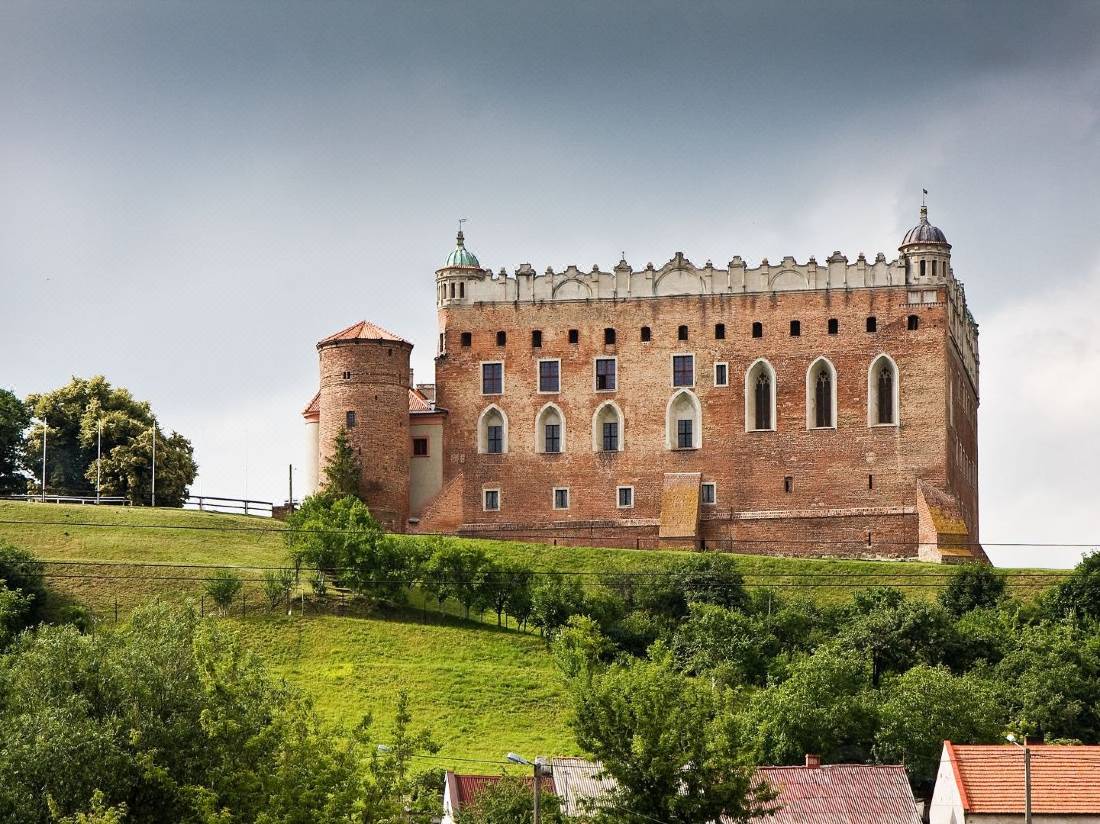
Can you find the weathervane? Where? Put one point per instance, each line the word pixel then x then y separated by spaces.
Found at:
pixel 461 220
pixel 924 198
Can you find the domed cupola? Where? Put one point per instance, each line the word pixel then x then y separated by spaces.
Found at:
pixel 463 258
pixel 924 232
pixel 926 253
pixel 457 277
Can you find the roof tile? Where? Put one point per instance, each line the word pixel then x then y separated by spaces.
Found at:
pixel 1064 779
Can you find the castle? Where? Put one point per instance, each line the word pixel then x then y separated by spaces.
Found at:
pixel 791 408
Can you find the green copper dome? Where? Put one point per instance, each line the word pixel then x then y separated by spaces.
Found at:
pixel 462 256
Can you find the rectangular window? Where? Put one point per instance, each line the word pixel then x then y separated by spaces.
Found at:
pixel 788 484
pixel 536 338
pixel 611 436
pixel 609 337
pixel 721 374
pixel 574 336
pixel 913 323
pixel 605 374
pixel 683 370
pixel 462 290
pixel 549 375
pixel 757 329
pixel 502 338
pixel 467 338
pixel 681 333
pixel 349 420
pixel 494 441
pixel 708 493
pixel 626 497
pixel 553 437
pixel 347 376
pixel 796 328
pixel 872 324
pixel 834 326
pixel 647 334
pixel 719 331
pixel 561 498
pixel 420 447
pixel 683 434
pixel 492 378
pixel 492 500
pixel 870 481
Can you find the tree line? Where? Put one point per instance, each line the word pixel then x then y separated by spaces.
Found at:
pixel 85 419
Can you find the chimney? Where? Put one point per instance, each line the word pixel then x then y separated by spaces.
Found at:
pixel 813 761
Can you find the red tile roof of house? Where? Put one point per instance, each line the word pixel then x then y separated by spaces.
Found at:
pixel 1064 779
pixel 465 788
pixel 364 330
pixel 840 794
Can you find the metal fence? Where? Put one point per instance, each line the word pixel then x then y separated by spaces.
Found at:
pixel 213 503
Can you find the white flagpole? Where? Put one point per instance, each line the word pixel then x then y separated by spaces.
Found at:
pixel 98 458
pixel 45 426
pixel 154 492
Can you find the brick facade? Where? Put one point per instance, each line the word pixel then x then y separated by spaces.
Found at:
pixel 850 488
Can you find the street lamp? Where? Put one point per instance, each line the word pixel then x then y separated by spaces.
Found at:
pixel 538 767
pixel 45 429
pixel 1027 775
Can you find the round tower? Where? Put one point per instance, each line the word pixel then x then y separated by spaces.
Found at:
pixel 927 253
pixel 365 390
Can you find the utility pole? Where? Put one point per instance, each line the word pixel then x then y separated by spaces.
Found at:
pixel 538 793
pixel 154 489
pixel 1027 782
pixel 290 475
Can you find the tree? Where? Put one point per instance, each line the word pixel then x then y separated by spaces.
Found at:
pixel 343 471
pixel 277 585
pixel 712 579
pixel 519 603
pixel 895 632
pixel 972 586
pixel 554 598
pixel 725 644
pixel 1079 594
pixel 826 706
pixel 511 801
pixel 75 414
pixel 172 717
pixel 15 417
pixel 21 571
pixel 502 589
pixel 669 741
pixel 925 706
pixel 580 645
pixel 344 543
pixel 223 587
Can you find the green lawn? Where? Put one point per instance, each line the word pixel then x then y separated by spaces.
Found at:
pixel 483 692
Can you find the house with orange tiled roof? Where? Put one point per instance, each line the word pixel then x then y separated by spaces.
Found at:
pixel 985 784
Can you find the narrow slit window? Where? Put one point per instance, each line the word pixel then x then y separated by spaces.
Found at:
pixel 870 481
pixel 834 326
pixel 763 400
pixel 536 338
pixel 502 338
pixel 886 394
pixel 349 419
pixel 719 331
pixel 788 484
pixel 757 329
pixel 922 267
pixel 872 324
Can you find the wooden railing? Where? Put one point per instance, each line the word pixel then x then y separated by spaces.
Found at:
pixel 212 503
pixel 105 500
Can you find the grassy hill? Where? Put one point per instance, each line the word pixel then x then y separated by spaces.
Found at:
pixel 484 691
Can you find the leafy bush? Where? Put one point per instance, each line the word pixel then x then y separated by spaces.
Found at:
pixel 20 570
pixel 224 585
pixel 972 586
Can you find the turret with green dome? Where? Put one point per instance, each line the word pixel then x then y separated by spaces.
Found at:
pixel 461 267
pixel 461 257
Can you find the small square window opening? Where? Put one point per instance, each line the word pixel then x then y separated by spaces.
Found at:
pixel 626 497
pixel 647 334
pixel 719 331
pixel 574 335
pixel 561 498
pixel 492 500
pixel 420 447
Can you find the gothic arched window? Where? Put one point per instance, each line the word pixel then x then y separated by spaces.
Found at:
pixel 550 430
pixel 882 392
pixel 684 421
pixel 492 431
pixel 821 395
pixel 760 397
pixel 607 428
